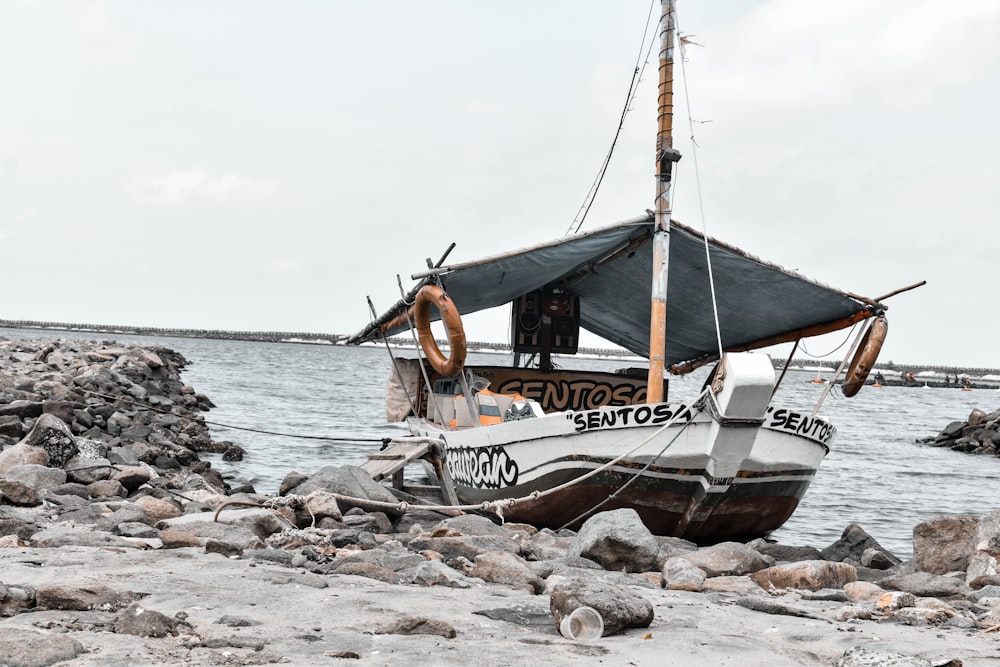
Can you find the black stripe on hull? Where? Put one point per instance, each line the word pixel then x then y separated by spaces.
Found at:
pixel 753 506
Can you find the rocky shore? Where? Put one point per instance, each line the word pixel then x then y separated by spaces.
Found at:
pixel 118 545
pixel 979 434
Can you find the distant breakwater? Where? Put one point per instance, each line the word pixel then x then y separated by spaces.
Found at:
pixel 219 334
pixel 401 341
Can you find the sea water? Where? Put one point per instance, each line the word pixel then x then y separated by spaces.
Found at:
pixel 313 405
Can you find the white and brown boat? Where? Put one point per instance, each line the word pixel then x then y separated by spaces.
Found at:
pixel 565 443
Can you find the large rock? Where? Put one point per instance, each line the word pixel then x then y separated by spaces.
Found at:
pixel 944 544
pixel 925 584
pixel 36 477
pixel 86 470
pixel 810 575
pixel 467 524
pixel 82 598
pixel 546 545
pixel 11 427
pixel 468 547
pixel 22 454
pixel 727 559
pixel 259 522
pixel 852 545
pixel 350 482
pixel 27 648
pixel 61 536
pixel 156 509
pixel 502 567
pixel 618 540
pixel 390 559
pixel 136 620
pixel 784 552
pixel 436 573
pixel 55 437
pixel 619 607
pixel 680 574
pixel 28 484
pixel 22 409
pixel 985 549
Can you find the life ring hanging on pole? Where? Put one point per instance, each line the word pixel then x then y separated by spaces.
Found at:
pixel 432 295
pixel 864 359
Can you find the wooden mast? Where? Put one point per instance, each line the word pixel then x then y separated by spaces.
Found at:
pixel 665 158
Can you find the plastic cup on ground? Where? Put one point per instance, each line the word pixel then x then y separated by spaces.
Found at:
pixel 584 624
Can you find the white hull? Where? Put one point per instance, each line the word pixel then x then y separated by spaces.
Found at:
pixel 693 473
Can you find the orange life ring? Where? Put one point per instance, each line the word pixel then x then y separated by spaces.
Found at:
pixel 432 295
pixel 864 358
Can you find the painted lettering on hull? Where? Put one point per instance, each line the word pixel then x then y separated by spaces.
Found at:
pixel 790 421
pixel 558 394
pixel 481 467
pixel 631 415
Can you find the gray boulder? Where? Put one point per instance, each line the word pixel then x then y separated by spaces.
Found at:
pixel 680 574
pixel 944 544
pixel 352 482
pixel 82 598
pixel 503 567
pixel 28 648
pixel 22 454
pixel 619 606
pixel 618 540
pixel 55 437
pixel 465 546
pixel 985 549
pixel 852 545
pixel 258 522
pixel 727 559
pixel 810 575
pixel 925 584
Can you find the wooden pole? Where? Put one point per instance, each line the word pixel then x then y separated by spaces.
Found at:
pixel 665 158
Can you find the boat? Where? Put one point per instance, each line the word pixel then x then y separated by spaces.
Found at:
pixel 551 446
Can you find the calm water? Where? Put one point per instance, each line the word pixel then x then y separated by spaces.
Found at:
pixel 875 474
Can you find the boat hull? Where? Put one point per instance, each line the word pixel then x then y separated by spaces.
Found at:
pixel 689 474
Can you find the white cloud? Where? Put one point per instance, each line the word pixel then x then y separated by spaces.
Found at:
pixel 198 186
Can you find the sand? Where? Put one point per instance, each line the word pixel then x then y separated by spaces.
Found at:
pixel 296 617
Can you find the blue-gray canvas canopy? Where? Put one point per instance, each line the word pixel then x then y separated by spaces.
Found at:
pixel 610 269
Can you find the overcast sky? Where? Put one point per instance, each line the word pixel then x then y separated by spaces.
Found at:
pixel 266 166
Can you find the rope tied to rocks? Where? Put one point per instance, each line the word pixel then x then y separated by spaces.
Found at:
pixel 146 406
pixel 497 506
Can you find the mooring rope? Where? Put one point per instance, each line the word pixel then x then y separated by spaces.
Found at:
pixel 497 506
pixel 146 406
pixel 634 477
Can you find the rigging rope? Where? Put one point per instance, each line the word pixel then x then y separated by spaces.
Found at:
pixel 144 406
pixel 498 506
pixel 697 181
pixel 633 87
pixel 633 478
pixel 840 369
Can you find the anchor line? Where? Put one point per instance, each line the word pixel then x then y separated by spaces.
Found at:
pixel 495 506
pixel 144 406
pixel 634 477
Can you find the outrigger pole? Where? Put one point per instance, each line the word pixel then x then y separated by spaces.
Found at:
pixel 665 158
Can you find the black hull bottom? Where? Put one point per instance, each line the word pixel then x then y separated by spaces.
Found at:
pixel 751 507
